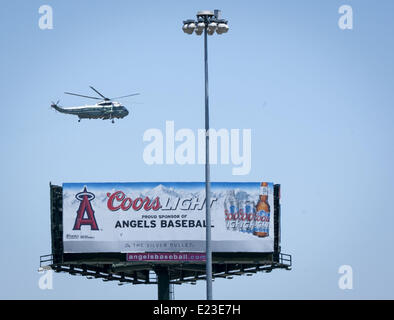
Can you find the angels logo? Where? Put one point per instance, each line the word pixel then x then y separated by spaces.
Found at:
pixel 85 207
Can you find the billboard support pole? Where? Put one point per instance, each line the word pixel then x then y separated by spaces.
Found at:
pixel 163 283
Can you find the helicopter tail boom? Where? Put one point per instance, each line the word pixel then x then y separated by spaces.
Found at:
pixel 57 107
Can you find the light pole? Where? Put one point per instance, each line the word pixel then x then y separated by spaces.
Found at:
pixel 207 22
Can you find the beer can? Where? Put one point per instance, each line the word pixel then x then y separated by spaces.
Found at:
pixel 241 215
pixel 248 217
pixel 227 215
pixel 234 215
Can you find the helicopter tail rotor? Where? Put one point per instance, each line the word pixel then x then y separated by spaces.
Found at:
pixel 55 105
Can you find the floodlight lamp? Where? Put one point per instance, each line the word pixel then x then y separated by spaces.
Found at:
pixel 185 28
pixel 190 27
pixel 222 28
pixel 200 28
pixel 212 28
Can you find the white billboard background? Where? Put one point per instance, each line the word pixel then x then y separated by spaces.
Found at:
pixel 149 231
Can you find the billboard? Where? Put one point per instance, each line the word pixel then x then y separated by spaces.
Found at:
pixel 167 218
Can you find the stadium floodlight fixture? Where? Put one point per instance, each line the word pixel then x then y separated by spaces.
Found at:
pixel 200 28
pixel 212 28
pixel 222 27
pixel 206 20
pixel 188 26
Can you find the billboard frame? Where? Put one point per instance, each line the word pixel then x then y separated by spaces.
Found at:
pixel 114 267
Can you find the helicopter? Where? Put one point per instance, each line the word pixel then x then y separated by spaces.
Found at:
pixel 106 109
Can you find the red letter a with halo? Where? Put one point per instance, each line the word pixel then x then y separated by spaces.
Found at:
pixel 85 206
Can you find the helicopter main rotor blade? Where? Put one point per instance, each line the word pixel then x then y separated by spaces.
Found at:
pixel 130 95
pixel 105 98
pixel 80 95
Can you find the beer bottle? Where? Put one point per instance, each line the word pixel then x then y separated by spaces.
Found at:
pixel 262 213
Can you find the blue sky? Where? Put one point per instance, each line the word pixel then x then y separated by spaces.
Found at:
pixel 318 99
